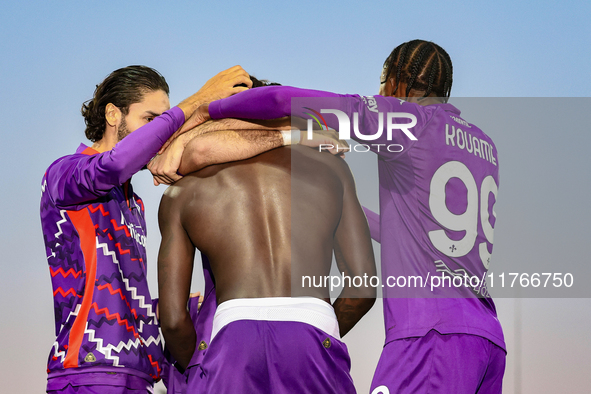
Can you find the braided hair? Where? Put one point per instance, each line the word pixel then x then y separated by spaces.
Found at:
pixel 122 88
pixel 423 65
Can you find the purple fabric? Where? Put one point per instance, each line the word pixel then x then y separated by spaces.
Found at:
pixel 98 389
pixel 176 382
pixel 436 363
pixel 98 382
pixel 267 102
pixel 203 318
pixel 249 356
pixel 373 219
pixel 445 145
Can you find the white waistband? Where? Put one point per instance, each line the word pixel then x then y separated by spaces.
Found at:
pixel 309 310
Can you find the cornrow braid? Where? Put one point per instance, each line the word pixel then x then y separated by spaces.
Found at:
pixel 417 66
pixel 423 65
pixel 400 62
pixel 396 58
pixel 435 68
pixel 448 76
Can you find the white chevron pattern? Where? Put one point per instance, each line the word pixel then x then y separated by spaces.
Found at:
pixel 73 313
pixel 108 350
pixel 61 354
pixel 141 299
pixel 59 224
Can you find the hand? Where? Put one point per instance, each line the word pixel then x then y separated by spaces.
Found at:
pixel 164 166
pixel 199 116
pixel 224 84
pixel 326 140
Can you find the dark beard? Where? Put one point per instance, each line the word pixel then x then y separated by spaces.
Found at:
pixel 122 131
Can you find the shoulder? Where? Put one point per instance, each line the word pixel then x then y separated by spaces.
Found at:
pixel 323 161
pixel 61 165
pixel 181 193
pixel 175 192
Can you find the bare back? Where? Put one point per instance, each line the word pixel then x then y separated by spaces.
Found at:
pixel 256 219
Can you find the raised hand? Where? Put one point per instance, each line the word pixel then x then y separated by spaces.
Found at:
pixel 224 84
pixel 164 166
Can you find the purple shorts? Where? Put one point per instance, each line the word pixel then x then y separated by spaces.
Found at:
pixel 438 363
pixel 258 356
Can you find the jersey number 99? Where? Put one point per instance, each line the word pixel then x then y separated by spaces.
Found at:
pixel 477 206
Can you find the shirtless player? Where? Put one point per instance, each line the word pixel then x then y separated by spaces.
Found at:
pixel 246 216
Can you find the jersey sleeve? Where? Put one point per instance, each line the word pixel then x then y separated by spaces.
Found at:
pixel 267 102
pixel 79 178
pixel 387 125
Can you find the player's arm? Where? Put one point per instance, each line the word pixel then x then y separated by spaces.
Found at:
pixel 373 219
pixel 268 102
pixel 224 84
pixel 231 145
pixel 165 166
pixel 354 255
pixel 225 146
pixel 275 101
pixel 79 178
pixel 175 268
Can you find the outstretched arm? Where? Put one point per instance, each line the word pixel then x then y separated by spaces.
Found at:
pixel 405 121
pixel 205 145
pixel 229 145
pixel 354 256
pixel 226 146
pixel 268 102
pixel 175 268
pixel 165 166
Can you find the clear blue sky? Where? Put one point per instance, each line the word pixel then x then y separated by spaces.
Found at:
pixel 54 53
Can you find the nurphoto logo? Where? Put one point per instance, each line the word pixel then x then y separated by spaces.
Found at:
pixel 388 119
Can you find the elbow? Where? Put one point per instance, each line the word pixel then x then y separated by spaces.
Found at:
pixel 280 100
pixel 168 327
pixel 172 323
pixel 195 157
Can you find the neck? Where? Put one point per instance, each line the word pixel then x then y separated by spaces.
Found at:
pixel 106 143
pixel 425 100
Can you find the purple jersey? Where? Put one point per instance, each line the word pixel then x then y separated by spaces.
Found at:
pixel 95 237
pixel 438 183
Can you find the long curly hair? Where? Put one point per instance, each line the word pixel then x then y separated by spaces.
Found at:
pixel 122 88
